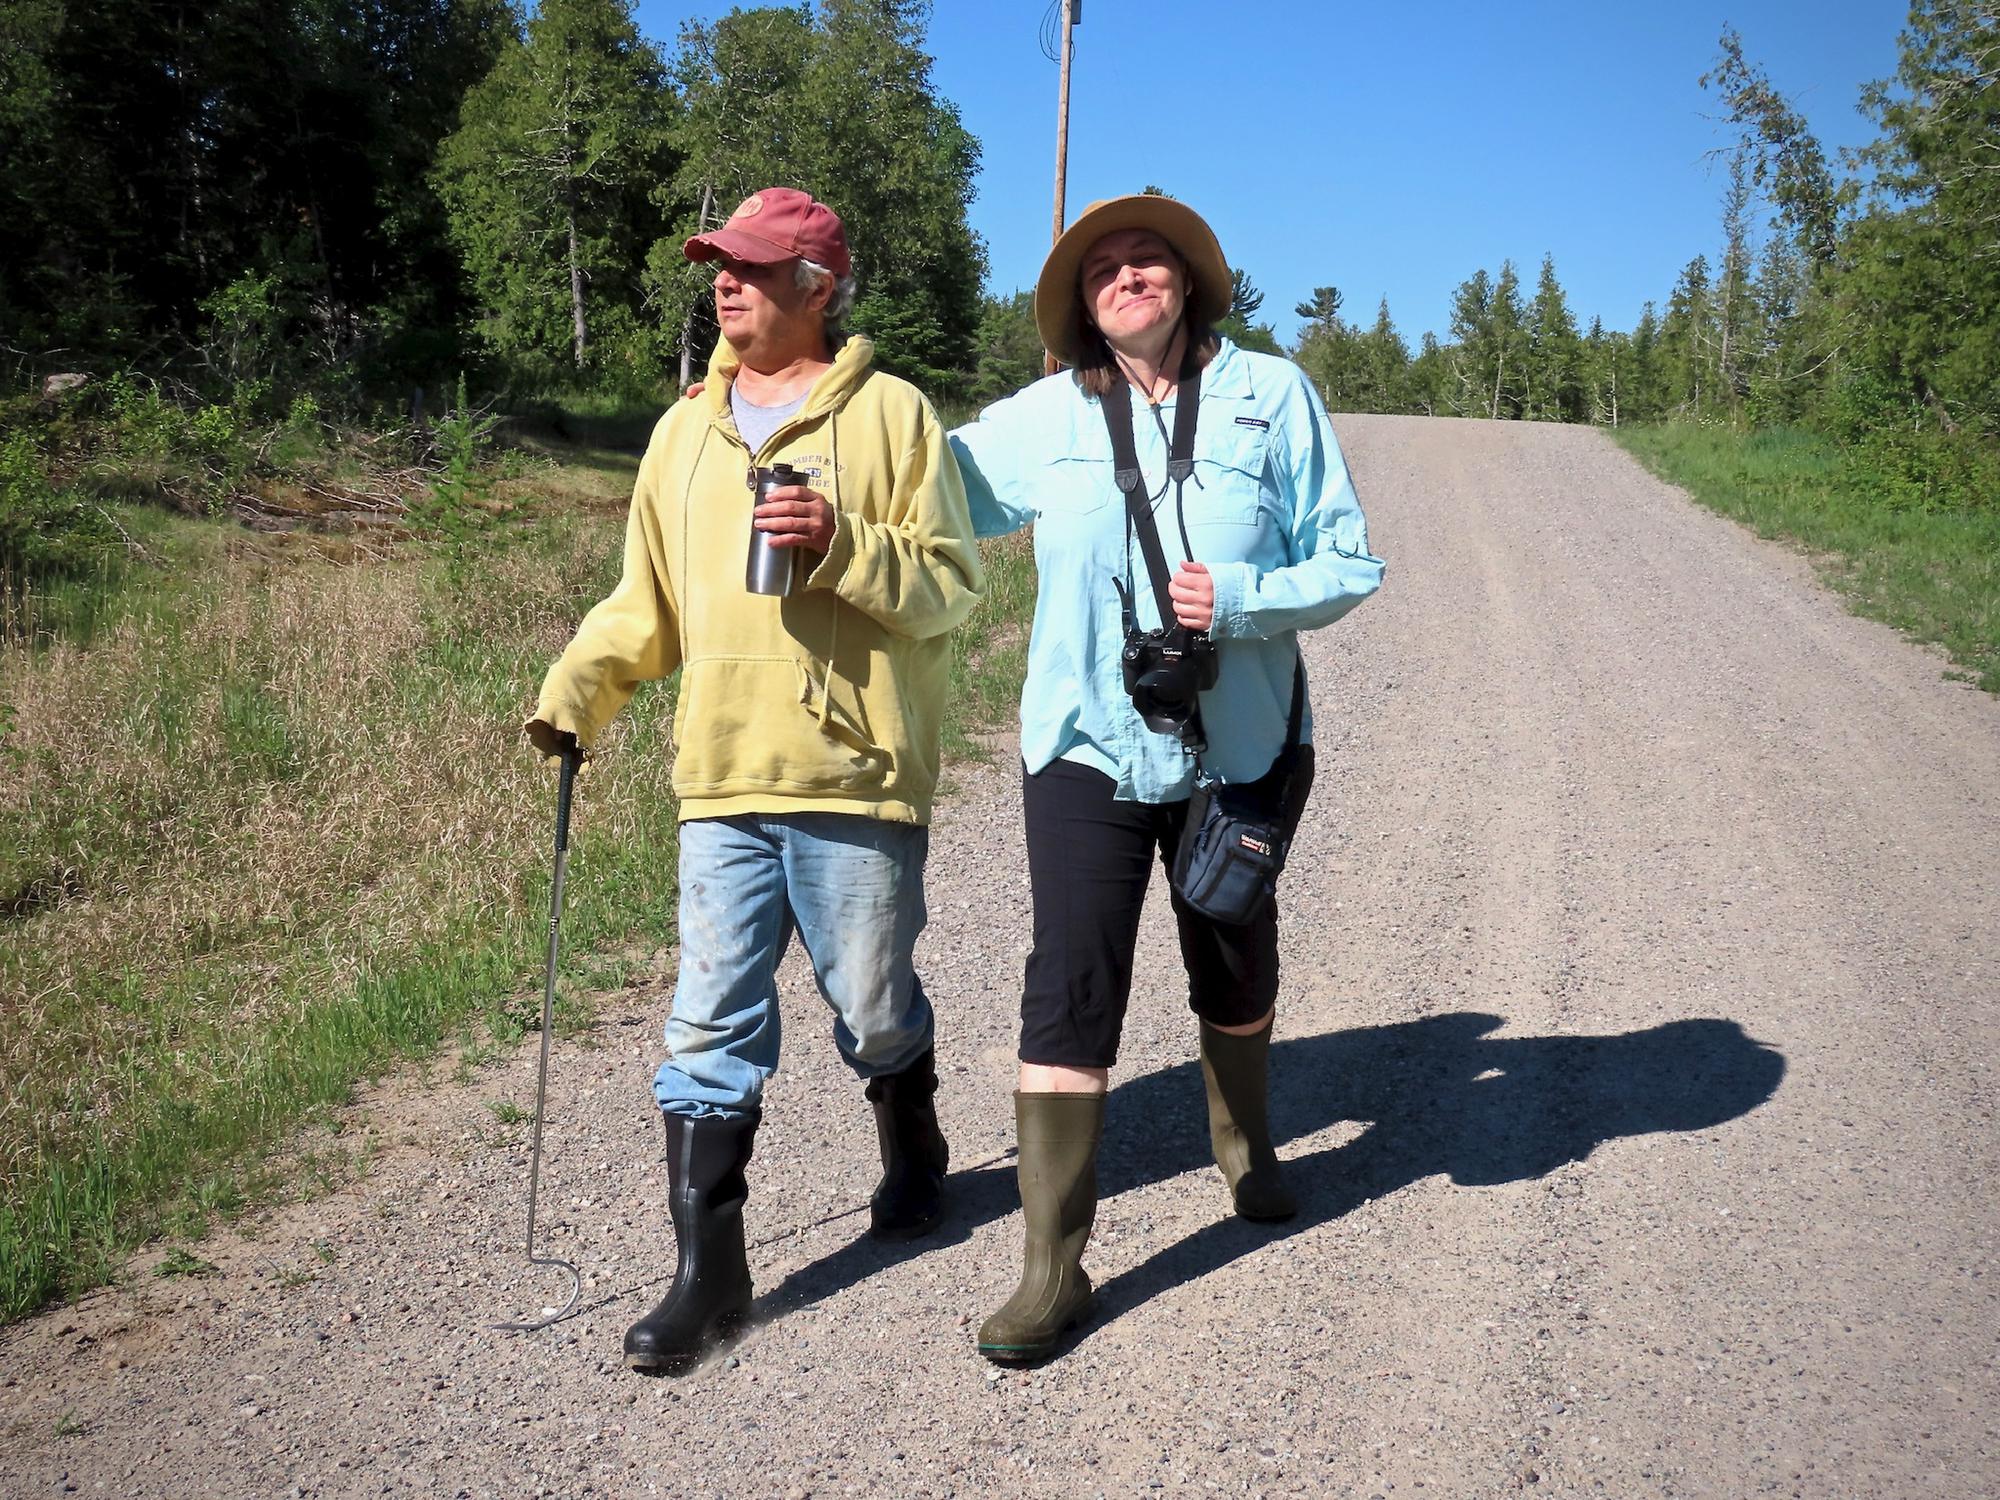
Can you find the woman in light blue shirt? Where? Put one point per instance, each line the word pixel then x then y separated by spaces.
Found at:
pixel 1263 539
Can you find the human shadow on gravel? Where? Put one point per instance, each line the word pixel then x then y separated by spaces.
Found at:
pixel 1435 1096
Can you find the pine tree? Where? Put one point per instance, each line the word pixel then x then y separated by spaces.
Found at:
pixel 1687 342
pixel 1473 359
pixel 1331 354
pixel 1509 343
pixel 1386 359
pixel 1552 379
pixel 1649 399
pixel 1244 301
pixel 1323 307
pixel 1737 336
pixel 547 181
pixel 1429 380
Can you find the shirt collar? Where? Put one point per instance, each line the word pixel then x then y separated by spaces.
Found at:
pixel 1228 374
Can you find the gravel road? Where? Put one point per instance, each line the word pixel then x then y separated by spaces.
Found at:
pixel 1635 1064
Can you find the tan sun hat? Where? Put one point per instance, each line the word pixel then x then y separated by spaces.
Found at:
pixel 1058 298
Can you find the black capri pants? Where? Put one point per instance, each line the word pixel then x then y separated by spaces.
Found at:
pixel 1089 859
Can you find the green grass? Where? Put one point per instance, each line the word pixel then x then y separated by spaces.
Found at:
pixel 1932 572
pixel 273 830
pixel 989 652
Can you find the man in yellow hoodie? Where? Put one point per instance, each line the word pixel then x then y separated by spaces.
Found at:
pixel 806 735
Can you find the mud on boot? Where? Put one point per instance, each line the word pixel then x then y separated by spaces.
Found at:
pixel 710 1297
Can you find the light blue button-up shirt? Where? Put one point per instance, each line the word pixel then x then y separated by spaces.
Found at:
pixel 1270 510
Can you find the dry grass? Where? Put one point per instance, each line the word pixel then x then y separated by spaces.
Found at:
pixel 240 814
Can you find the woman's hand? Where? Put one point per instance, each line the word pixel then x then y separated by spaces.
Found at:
pixel 794 516
pixel 1193 594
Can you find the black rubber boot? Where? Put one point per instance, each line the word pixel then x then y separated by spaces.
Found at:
pixel 909 1200
pixel 1235 1070
pixel 710 1297
pixel 1058 1135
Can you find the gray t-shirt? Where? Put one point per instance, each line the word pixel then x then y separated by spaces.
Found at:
pixel 757 423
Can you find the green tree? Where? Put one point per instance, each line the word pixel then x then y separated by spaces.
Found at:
pixel 1552 356
pixel 841 104
pixel 1738 334
pixel 1784 155
pixel 1009 349
pixel 1355 371
pixel 158 152
pixel 1429 381
pixel 1386 364
pixel 1687 343
pixel 1244 301
pixel 1322 308
pixel 1649 398
pixel 1332 355
pixel 548 180
pixel 1487 324
pixel 1922 286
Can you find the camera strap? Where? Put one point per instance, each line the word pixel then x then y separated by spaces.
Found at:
pixel 1117 404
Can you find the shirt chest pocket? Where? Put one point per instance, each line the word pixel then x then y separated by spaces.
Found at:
pixel 1231 460
pixel 1076 485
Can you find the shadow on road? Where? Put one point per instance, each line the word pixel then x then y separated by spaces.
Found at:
pixel 1436 1096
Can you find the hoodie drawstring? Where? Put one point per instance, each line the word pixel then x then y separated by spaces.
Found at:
pixel 833 634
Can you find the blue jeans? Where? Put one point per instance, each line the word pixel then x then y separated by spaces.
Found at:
pixel 853 886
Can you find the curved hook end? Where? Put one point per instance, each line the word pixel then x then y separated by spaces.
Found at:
pixel 548 1317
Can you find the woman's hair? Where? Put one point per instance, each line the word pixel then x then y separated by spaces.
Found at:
pixel 838 304
pixel 1098 370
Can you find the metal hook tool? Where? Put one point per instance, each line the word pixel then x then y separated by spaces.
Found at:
pixel 571 758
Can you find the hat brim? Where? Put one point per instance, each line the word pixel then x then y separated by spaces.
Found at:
pixel 1058 299
pixel 736 244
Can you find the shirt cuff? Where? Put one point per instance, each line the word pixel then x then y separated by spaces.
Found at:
pixel 1235 582
pixel 827 573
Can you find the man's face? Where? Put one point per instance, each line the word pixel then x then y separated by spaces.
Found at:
pixel 763 307
pixel 1132 285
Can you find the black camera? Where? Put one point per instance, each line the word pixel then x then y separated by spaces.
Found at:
pixel 1164 670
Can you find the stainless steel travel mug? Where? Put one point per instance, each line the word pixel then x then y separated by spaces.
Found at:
pixel 772 570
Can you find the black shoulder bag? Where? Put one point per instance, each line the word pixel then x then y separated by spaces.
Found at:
pixel 1236 837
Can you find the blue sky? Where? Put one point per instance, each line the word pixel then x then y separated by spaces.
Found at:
pixel 1389 150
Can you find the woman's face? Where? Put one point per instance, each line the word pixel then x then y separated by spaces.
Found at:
pixel 1134 287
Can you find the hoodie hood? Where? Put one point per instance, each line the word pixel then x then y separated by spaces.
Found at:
pixel 830 392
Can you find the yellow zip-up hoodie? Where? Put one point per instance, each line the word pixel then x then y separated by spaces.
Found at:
pixel 829 700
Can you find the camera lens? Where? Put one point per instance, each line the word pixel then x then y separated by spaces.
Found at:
pixel 1168 687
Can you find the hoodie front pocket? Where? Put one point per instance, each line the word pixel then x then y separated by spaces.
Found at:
pixel 762 721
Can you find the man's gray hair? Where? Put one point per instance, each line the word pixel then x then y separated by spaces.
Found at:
pixel 841 302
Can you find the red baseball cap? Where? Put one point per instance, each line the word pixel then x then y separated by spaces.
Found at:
pixel 777 224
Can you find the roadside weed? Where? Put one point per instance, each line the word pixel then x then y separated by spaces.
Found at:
pixel 181 1262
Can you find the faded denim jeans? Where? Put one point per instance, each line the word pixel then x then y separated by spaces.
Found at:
pixel 853 887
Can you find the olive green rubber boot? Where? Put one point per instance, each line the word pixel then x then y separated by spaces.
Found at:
pixel 1235 1070
pixel 1058 1136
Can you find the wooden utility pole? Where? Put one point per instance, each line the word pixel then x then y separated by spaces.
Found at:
pixel 1072 17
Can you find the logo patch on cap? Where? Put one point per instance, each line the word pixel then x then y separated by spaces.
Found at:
pixel 750 207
